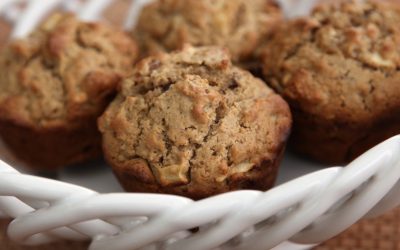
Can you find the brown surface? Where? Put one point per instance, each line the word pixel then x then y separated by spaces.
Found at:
pixel 190 123
pixel 340 72
pixel 239 25
pixel 54 85
pixel 382 233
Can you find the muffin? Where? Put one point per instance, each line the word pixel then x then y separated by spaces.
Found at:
pixel 189 123
pixel 339 70
pixel 5 29
pixel 239 25
pixel 54 85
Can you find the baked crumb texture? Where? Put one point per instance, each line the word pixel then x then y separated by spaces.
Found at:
pixel 5 30
pixel 189 123
pixel 54 85
pixel 238 25
pixel 340 72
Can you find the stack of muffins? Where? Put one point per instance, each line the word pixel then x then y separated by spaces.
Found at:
pixel 173 107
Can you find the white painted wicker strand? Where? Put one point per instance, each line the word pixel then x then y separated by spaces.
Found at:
pixel 308 210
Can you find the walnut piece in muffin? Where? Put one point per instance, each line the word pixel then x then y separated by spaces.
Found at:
pixel 190 123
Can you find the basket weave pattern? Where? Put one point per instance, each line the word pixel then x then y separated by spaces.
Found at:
pixel 380 233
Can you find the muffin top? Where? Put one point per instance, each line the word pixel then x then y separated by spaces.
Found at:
pixel 239 25
pixel 342 63
pixel 64 71
pixel 191 118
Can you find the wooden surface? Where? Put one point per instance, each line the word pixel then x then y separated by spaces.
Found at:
pixel 382 233
pixel 6 244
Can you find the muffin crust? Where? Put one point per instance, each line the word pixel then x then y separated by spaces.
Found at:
pixel 5 30
pixel 190 123
pixel 340 72
pixel 238 25
pixel 54 85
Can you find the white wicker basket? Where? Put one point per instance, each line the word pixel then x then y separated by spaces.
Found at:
pixel 307 210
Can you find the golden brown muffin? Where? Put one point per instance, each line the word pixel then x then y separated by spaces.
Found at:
pixel 54 85
pixel 340 72
pixel 189 123
pixel 117 12
pixel 238 25
pixel 5 30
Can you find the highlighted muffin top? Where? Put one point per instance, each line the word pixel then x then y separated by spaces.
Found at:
pixel 192 117
pixel 63 71
pixel 239 25
pixel 341 63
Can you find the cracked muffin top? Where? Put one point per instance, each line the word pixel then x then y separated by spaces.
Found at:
pixel 191 118
pixel 342 63
pixel 62 72
pixel 239 25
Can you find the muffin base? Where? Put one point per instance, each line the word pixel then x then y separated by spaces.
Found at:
pixel 51 149
pixel 136 176
pixel 338 143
